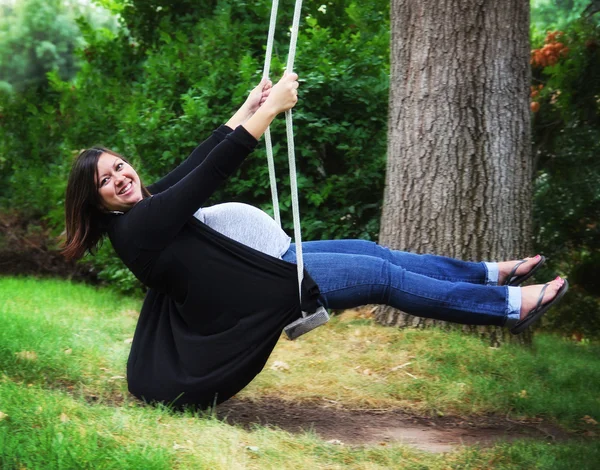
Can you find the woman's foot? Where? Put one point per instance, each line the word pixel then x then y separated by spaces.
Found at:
pixel 523 268
pixel 530 295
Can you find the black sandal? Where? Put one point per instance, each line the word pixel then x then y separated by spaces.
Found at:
pixel 535 314
pixel 513 280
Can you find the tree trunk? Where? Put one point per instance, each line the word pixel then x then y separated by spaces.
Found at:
pixel 459 163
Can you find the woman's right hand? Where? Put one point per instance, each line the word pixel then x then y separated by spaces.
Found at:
pixel 284 95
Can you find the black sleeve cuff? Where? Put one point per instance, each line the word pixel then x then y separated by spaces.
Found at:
pixel 242 137
pixel 222 131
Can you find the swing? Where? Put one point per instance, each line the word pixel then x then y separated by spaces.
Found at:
pixel 320 316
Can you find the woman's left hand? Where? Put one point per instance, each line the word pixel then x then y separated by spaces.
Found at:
pixel 255 100
pixel 258 95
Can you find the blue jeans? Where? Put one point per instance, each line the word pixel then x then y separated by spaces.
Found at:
pixel 351 273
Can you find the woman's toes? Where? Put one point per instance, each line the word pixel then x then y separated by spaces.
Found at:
pixel 552 289
pixel 521 267
pixel 527 265
pixel 530 295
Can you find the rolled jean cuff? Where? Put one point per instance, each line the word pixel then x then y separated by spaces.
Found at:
pixel 491 277
pixel 514 306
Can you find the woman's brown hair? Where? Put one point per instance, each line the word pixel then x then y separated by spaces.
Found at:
pixel 83 214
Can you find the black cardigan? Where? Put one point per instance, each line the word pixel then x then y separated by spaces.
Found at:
pixel 215 308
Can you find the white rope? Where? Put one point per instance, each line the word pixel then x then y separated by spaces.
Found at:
pixel 291 153
pixel 290 138
pixel 268 144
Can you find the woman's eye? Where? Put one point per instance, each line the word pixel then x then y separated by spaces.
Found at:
pixel 103 182
pixel 119 166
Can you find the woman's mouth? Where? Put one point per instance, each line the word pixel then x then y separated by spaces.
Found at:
pixel 126 189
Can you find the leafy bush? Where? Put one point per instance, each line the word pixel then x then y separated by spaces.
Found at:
pixel 566 131
pixel 112 270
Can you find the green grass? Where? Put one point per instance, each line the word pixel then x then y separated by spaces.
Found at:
pixel 446 373
pixel 64 400
pixel 57 334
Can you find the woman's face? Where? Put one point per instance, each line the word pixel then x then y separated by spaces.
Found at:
pixel 118 183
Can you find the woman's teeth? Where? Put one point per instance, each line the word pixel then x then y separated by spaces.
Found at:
pixel 126 188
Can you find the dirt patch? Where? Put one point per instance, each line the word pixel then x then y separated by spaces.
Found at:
pixel 357 427
pixel 370 427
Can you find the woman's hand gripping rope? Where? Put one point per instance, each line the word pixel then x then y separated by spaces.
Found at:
pixel 281 97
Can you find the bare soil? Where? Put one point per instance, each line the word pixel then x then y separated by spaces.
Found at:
pixel 381 427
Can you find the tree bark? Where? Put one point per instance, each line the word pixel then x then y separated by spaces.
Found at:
pixel 459 165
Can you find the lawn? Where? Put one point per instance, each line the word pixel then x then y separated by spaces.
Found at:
pixel 64 402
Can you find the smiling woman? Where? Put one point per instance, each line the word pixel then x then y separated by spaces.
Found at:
pixel 118 183
pixel 93 190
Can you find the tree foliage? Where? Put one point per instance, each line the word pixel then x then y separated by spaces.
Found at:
pixel 176 70
pixel 566 101
pixel 556 14
pixel 39 36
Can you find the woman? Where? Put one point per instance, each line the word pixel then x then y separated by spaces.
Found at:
pixel 222 284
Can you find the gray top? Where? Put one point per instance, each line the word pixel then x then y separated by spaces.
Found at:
pixel 246 224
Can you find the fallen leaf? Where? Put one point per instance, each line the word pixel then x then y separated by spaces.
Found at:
pixel 523 394
pixel 367 372
pixel 400 366
pixel 3 416
pixel 335 442
pixel 280 365
pixel 27 355
pixel 117 377
pixel 68 351
pixel 128 341
pixel 252 448
pixel 589 420
pixel 64 418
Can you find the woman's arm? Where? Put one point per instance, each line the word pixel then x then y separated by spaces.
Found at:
pixel 192 161
pixel 282 97
pixel 158 219
pixel 155 221
pixel 255 99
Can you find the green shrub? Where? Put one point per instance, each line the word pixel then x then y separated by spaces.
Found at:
pixel 566 132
